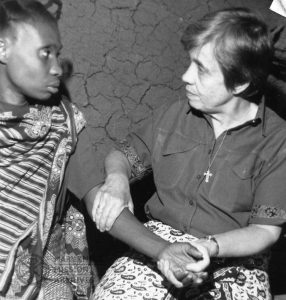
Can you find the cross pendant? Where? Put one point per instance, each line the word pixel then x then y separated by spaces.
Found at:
pixel 208 174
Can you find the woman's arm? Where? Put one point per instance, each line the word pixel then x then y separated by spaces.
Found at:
pixel 105 203
pixel 107 207
pixel 171 258
pixel 176 256
pixel 246 241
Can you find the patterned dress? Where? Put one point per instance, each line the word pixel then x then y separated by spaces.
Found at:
pixel 39 254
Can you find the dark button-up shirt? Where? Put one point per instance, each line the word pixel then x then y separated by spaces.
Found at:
pixel 247 163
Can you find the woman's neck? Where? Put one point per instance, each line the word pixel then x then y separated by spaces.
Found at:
pixel 240 114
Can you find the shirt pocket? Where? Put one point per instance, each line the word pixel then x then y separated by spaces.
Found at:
pixel 244 165
pixel 173 162
pixel 234 185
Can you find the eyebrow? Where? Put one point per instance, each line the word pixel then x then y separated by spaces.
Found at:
pixel 53 46
pixel 199 63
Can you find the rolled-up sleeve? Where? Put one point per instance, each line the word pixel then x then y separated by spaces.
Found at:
pixel 140 146
pixel 137 147
pixel 269 206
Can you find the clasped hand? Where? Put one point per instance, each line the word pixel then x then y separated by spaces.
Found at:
pixel 184 264
pixel 181 263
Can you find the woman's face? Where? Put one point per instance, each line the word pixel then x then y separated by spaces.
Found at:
pixel 205 86
pixel 32 63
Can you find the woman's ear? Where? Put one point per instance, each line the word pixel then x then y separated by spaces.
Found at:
pixel 240 88
pixel 3 51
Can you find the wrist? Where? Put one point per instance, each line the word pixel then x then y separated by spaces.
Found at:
pixel 161 246
pixel 118 176
pixel 212 245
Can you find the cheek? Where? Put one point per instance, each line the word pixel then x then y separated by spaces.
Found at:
pixel 32 74
pixel 212 86
pixel 205 87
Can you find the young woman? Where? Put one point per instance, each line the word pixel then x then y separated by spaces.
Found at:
pixel 43 250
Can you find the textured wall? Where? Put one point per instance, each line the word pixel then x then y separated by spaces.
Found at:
pixel 126 56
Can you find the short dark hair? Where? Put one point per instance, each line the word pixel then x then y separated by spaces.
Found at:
pixel 15 12
pixel 242 45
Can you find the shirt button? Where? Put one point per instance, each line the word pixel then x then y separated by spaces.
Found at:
pixel 199 177
pixel 210 151
pixel 191 202
pixel 229 133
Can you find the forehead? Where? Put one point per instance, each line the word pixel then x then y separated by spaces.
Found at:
pixel 205 56
pixel 37 35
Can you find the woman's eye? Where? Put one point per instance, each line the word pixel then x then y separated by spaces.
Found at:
pixel 45 53
pixel 201 70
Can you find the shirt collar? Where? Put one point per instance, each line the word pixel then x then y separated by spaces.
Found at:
pixel 259 118
pixel 261 115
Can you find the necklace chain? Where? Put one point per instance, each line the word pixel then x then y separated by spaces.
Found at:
pixel 208 173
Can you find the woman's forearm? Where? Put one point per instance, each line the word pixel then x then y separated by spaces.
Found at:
pixel 130 231
pixel 249 240
pixel 246 241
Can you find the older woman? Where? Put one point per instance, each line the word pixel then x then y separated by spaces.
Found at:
pixel 218 161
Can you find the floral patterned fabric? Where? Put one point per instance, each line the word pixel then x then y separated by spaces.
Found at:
pixel 36 142
pixel 67 271
pixel 135 276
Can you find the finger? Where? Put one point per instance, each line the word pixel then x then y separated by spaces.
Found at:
pixel 110 212
pixel 203 275
pixel 180 274
pixel 111 217
pixel 95 204
pixel 185 277
pixel 200 278
pixel 194 252
pixel 188 279
pixel 171 278
pixel 159 265
pixel 113 208
pixel 202 264
pixel 198 266
pixel 100 207
pixel 104 213
pixel 131 206
pixel 164 266
pixel 169 274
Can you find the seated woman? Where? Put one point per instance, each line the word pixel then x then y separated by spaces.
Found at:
pixel 218 161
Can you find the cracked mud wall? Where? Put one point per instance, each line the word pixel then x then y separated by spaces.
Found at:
pixel 127 58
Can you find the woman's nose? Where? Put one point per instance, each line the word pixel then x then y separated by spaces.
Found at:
pixel 188 77
pixel 56 68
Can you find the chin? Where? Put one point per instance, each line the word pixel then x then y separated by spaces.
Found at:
pixel 46 96
pixel 43 97
pixel 195 104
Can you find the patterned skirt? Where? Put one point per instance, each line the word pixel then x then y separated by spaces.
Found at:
pixel 68 272
pixel 136 276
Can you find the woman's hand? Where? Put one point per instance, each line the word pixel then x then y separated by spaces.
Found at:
pixel 110 200
pixel 172 262
pixel 200 265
